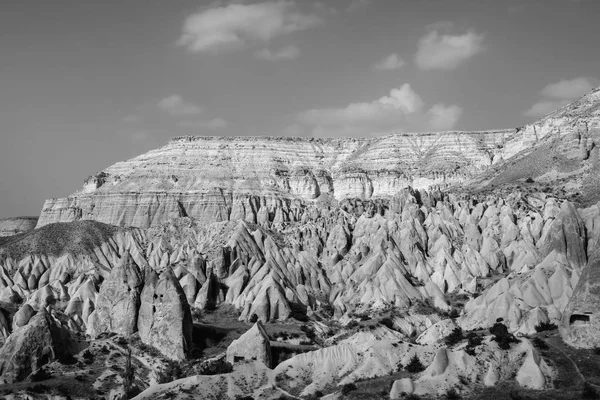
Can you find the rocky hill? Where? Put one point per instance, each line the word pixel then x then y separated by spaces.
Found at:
pixel 430 264
pixel 15 225
pixel 219 179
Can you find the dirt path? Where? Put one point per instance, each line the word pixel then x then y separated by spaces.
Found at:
pixel 565 355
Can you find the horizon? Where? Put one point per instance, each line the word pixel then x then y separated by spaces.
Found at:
pixel 87 85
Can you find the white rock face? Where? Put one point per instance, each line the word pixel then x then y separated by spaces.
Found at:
pixel 217 179
pixel 253 345
pixel 118 301
pixel 16 225
pixel 164 319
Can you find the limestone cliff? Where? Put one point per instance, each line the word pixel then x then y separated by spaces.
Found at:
pixel 262 179
pixel 218 179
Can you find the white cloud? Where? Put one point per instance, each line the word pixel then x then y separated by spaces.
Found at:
pixel 443 117
pixel 399 103
pixel 175 105
pixel 294 130
pixel 234 25
pixel 561 93
pixel 443 51
pixel 215 123
pixel 391 62
pixel 545 107
pixel 285 53
pixel 570 89
pixel 401 110
pixel 131 118
pixel 356 5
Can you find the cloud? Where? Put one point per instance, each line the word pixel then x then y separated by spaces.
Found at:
pixel 175 105
pixel 561 93
pixel 235 25
pixel 215 123
pixel 545 107
pixel 570 89
pixel 389 63
pixel 444 117
pixel 442 51
pixel 401 110
pixel 294 130
pixel 131 118
pixel 285 53
pixel 356 5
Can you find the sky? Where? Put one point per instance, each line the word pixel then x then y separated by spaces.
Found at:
pixel 85 84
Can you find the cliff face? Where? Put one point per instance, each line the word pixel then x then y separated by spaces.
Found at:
pixel 16 225
pixel 263 179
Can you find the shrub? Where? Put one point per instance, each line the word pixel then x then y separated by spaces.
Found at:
pixel 454 313
pixel 456 336
pixel 589 392
pixel 347 388
pixel 352 324
pixel 414 365
pixel 540 344
pixel 309 332
pixel 216 367
pixel 88 357
pixel 529 180
pixel 502 336
pixel 473 340
pixel 545 326
pixel 39 375
pixel 452 394
pixel 128 374
pixel 387 322
pixel 196 314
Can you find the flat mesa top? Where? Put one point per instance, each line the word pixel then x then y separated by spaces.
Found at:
pixel 194 138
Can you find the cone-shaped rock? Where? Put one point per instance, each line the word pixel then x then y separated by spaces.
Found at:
pixel 118 300
pixel 165 320
pixel 252 345
pixel 580 323
pixel 31 346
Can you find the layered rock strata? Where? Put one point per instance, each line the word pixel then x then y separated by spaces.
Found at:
pixel 264 179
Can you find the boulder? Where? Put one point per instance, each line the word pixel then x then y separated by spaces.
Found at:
pixel 22 316
pixel 118 300
pixel 402 387
pixel 530 374
pixel 31 346
pixel 580 323
pixel 165 320
pixel 252 345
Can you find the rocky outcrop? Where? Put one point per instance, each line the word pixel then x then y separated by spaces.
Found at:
pixel 580 323
pixel 31 346
pixel 16 225
pixel 164 320
pixel 264 179
pixel 118 300
pixel 253 345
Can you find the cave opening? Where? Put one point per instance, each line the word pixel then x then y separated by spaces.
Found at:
pixel 579 319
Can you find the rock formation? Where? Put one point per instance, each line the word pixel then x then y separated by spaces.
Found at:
pixel 31 346
pixel 253 345
pixel 118 300
pixel 164 320
pixel 263 179
pixel 16 225
pixel 373 237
